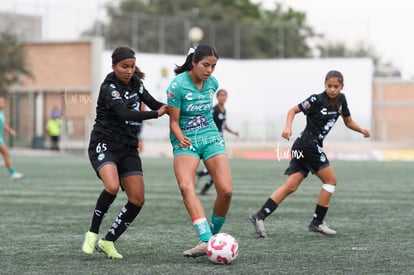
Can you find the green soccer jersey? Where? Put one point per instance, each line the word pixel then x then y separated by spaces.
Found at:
pixel 196 118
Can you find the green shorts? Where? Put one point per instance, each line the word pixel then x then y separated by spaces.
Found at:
pixel 201 147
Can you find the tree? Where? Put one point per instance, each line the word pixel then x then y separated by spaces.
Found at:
pixel 237 28
pixel 12 61
pixel 339 49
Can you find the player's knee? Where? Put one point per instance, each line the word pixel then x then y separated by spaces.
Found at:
pixel 112 189
pixel 137 200
pixel 225 193
pixel 186 187
pixel 328 188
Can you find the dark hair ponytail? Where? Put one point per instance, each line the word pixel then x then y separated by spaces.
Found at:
pixel 199 53
pixel 139 73
pixel 187 66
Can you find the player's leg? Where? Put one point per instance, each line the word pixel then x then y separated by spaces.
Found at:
pixel 296 173
pixel 134 188
pixel 200 174
pixel 220 171
pixel 275 199
pixel 4 151
pixel 328 178
pixel 103 161
pixel 206 187
pixel 132 182
pixel 109 176
pixel 185 167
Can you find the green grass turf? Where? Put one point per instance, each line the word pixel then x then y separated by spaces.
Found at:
pixel 43 219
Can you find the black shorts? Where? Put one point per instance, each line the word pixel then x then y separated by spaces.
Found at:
pixel 306 157
pixel 103 151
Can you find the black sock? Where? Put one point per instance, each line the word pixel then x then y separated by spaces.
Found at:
pixel 207 186
pixel 102 205
pixel 320 213
pixel 210 182
pixel 202 173
pixel 268 208
pixel 125 217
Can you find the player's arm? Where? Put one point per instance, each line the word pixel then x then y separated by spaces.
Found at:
pixel 287 132
pixel 351 124
pixel 150 101
pixel 175 127
pixel 227 128
pixel 124 113
pixel 9 130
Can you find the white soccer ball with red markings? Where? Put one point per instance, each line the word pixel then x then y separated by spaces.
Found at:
pixel 222 248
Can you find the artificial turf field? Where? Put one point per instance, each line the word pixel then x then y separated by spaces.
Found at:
pixel 43 219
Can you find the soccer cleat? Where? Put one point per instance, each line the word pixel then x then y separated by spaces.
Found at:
pixel 17 176
pixel 89 243
pixel 258 225
pixel 109 249
pixel 321 228
pixel 197 251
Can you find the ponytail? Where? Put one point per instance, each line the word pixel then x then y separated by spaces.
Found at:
pixel 187 66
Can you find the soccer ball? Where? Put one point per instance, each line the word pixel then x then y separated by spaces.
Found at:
pixel 222 248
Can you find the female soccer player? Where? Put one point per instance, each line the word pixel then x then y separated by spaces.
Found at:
pixel 113 148
pixel 322 111
pixel 194 136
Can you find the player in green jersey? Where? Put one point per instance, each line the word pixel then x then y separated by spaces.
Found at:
pixel 195 136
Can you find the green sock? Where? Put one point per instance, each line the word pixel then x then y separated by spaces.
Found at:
pixel 11 170
pixel 217 223
pixel 203 229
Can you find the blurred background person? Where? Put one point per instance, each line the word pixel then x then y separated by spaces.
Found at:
pixel 4 150
pixel 53 127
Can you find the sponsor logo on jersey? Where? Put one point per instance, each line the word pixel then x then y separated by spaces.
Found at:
pixel 170 94
pixel 306 104
pixel 101 156
pixel 133 123
pixel 198 107
pixel 324 111
pixel 127 95
pixel 189 96
pixel 196 122
pixel 115 95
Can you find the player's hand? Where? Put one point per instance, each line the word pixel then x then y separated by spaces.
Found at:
pixel 12 132
pixel 366 133
pixel 163 110
pixel 286 133
pixel 185 142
